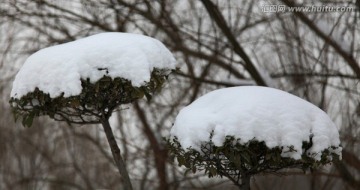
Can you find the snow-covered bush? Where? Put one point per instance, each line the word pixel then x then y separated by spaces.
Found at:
pixel 84 81
pixel 242 131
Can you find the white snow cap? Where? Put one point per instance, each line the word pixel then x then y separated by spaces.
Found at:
pixel 260 113
pixel 58 69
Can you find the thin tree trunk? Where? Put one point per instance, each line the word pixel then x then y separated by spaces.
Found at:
pixel 220 21
pixel 115 150
pixel 245 183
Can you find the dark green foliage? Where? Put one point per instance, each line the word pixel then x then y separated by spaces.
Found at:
pixel 96 101
pixel 237 161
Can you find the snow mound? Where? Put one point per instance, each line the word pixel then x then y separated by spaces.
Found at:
pixel 256 113
pixel 58 69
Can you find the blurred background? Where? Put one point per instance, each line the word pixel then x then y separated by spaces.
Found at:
pixel 314 54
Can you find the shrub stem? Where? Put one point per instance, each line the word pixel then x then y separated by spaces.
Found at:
pixel 115 150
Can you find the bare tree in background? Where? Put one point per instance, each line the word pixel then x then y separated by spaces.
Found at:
pixel 218 44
